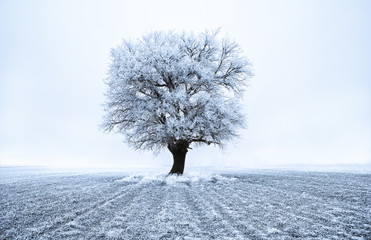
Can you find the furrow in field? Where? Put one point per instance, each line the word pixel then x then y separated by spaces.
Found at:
pixel 92 213
pixel 135 219
pixel 216 216
pixel 176 220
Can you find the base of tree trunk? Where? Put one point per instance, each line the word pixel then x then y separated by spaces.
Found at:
pixel 179 151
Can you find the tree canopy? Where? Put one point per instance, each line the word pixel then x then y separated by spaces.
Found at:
pixel 167 88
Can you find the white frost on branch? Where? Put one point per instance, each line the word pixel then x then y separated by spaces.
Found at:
pixel 169 87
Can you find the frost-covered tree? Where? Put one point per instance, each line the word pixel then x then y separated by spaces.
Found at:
pixel 174 89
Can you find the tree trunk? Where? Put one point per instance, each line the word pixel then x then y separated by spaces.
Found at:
pixel 179 151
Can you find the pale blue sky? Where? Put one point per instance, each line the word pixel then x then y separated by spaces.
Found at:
pixel 309 101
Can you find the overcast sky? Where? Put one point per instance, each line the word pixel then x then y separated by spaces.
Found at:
pixel 308 103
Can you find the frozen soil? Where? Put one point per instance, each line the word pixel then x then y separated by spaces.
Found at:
pixel 260 205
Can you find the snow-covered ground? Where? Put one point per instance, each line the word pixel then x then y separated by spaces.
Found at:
pixel 259 204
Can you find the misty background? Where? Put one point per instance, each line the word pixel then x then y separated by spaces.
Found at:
pixel 308 103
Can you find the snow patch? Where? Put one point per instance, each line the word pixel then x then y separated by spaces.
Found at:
pixel 143 178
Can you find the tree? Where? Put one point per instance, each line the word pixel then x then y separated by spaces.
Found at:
pixel 174 89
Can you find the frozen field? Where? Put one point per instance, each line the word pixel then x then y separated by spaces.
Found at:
pixel 250 205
